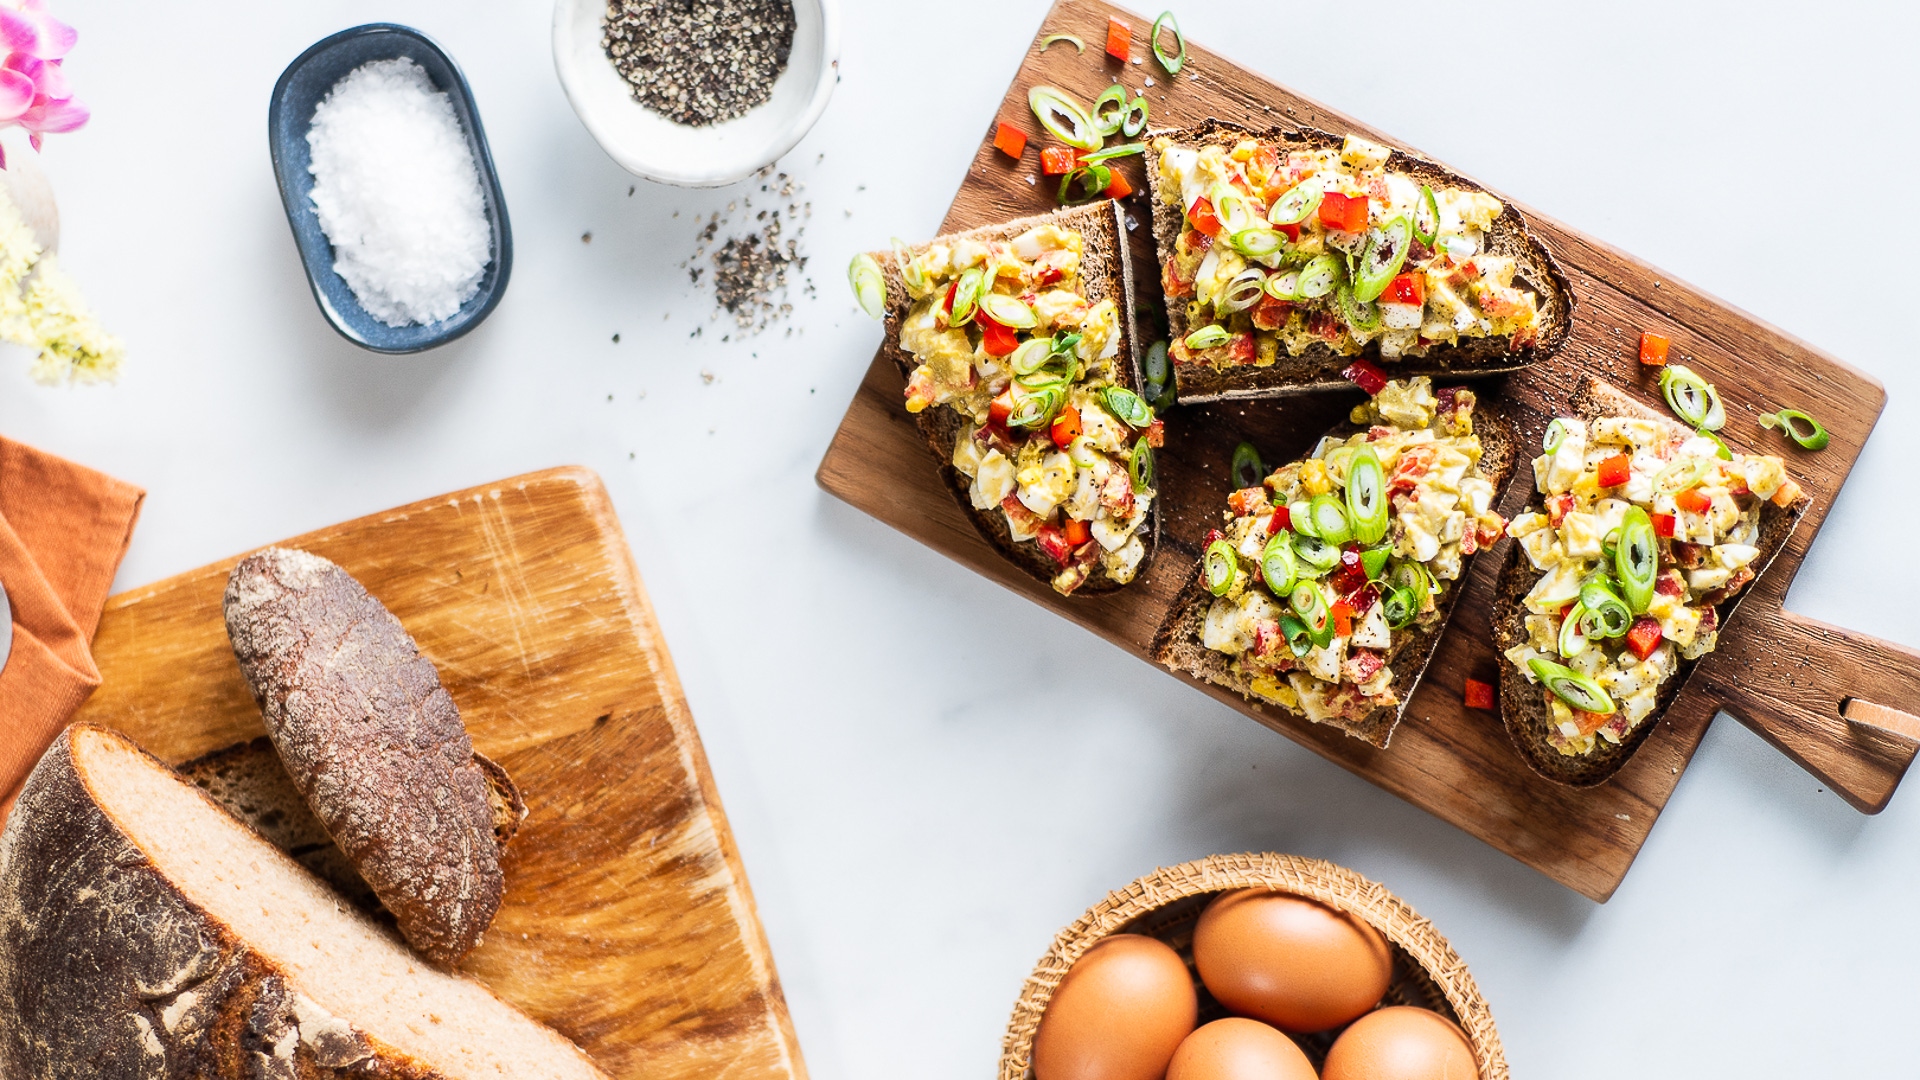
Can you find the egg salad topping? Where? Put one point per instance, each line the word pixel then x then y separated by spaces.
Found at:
pixel 1645 530
pixel 1282 248
pixel 1318 569
pixel 1005 336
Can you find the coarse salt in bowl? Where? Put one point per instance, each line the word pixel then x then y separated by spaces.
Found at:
pixel 649 145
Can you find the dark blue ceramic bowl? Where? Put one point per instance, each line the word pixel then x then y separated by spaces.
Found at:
pixel 303 86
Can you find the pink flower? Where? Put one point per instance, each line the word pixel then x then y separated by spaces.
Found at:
pixel 33 89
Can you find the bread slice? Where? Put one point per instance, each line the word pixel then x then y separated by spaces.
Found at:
pixel 1177 644
pixel 1106 274
pixel 1318 367
pixel 373 742
pixel 249 782
pixel 1523 707
pixel 145 932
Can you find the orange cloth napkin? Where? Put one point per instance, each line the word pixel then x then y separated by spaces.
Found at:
pixel 63 530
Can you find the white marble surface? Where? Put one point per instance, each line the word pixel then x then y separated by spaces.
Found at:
pixel 928 775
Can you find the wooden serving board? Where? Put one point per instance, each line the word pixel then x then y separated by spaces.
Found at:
pixel 627 923
pixel 1829 698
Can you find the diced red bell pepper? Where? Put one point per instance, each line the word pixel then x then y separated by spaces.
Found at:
pixel 1344 213
pixel 1663 524
pixel 1157 433
pixel 1058 160
pixel 1119 188
pixel 1001 408
pixel 1615 471
pixel 1177 284
pixel 1478 695
pixel 946 306
pixel 1076 531
pixel 1653 349
pixel 998 340
pixel 1644 637
pixel 1203 218
pixel 1351 575
pixel 1590 722
pixel 1366 375
pixel 1248 500
pixel 1196 241
pixel 1282 522
pixel 1342 618
pixel 1010 140
pixel 1406 289
pixel 1119 39
pixel 1054 543
pixel 1066 427
pixel 1292 231
pixel 1271 313
pixel 1240 349
pixel 1692 501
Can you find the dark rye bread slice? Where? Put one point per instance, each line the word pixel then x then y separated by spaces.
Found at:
pixel 1177 643
pixel 1318 368
pixel 249 782
pixel 1106 273
pixel 145 932
pixel 373 742
pixel 1523 705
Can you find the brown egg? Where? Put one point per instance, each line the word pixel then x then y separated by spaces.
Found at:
pixel 1118 1015
pixel 1401 1043
pixel 1236 1049
pixel 1295 964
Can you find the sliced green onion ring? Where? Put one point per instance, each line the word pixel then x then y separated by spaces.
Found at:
pixel 1112 152
pixel 1068 38
pixel 1314 551
pixel 1283 286
pixel 1577 690
pixel 1156 369
pixel 1031 356
pixel 1692 398
pixel 1210 336
pixel 1413 577
pixel 1257 242
pixel 911 271
pixel 1311 607
pixel 1400 607
pixel 1426 216
pixel 1221 566
pixel 1008 311
pixel 1720 448
pixel 1607 615
pixel 1083 453
pixel 1035 409
pixel 1046 378
pixel 1104 123
pixel 1374 561
pixel 966 296
pixel 1680 475
pixel 1556 434
pixel 1300 516
pixel 1126 405
pixel 1573 632
pixel 1093 181
pixel 1385 254
pixel 1357 313
pixel 869 285
pixel 1299 638
pixel 1232 207
pixel 1367 496
pixel 1245 290
pixel 1636 561
pixel 1330 519
pixel 1136 118
pixel 1051 106
pixel 1278 567
pixel 1791 422
pixel 1299 201
pixel 1176 60
pixel 1140 467
pixel 1248 469
pixel 1321 275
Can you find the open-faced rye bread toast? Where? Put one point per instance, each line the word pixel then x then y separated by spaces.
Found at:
pixel 1287 254
pixel 1636 547
pixel 1329 586
pixel 1017 344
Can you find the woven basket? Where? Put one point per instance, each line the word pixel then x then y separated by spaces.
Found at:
pixel 1167 903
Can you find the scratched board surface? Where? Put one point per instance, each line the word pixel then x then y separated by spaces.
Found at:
pixel 1818 692
pixel 627 923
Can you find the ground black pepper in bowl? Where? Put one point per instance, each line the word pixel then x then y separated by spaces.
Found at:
pixel 698 62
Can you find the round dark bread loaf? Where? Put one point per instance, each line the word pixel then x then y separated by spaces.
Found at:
pixel 373 742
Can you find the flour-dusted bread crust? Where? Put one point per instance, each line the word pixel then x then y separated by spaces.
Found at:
pixel 373 742
pixel 1523 705
pixel 1318 367
pixel 1177 643
pixel 145 933
pixel 1106 273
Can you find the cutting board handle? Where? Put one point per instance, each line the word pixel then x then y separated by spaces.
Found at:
pixel 1832 700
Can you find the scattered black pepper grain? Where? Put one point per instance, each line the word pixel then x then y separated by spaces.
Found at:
pixel 698 62
pixel 751 271
pixel 586 238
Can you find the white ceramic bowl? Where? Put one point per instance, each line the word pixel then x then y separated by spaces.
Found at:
pixel 650 145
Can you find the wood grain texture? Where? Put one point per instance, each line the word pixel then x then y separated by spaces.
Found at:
pixel 1452 761
pixel 627 923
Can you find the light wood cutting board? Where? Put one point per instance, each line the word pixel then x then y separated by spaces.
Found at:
pixel 1833 700
pixel 627 923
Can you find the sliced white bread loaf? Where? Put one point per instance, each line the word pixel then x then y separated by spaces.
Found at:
pixel 145 932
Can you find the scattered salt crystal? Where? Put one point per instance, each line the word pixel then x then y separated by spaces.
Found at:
pixel 397 193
